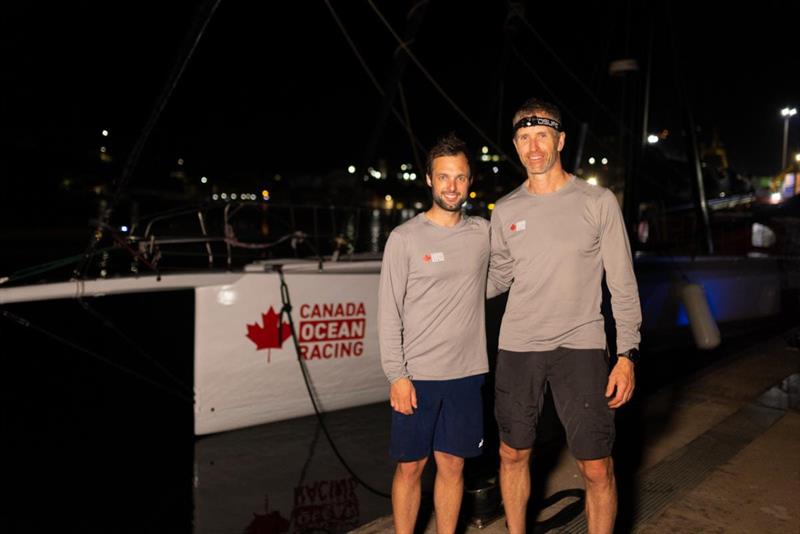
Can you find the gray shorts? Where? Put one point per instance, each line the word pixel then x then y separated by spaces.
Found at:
pixel 578 380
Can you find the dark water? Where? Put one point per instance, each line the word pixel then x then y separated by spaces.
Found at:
pixel 107 446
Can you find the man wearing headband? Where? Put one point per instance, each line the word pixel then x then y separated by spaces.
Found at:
pixel 553 239
pixel 433 340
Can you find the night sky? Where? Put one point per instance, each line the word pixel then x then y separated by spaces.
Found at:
pixel 273 87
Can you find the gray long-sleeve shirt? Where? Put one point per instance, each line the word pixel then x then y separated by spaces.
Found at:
pixel 551 250
pixel 431 300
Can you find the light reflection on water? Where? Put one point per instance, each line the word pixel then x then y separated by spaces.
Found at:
pixel 284 477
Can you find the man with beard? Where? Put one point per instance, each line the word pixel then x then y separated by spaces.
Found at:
pixel 553 238
pixel 432 339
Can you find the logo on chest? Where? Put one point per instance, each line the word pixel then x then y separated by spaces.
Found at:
pixel 518 226
pixel 433 257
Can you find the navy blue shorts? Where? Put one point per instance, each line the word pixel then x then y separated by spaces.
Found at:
pixel 448 418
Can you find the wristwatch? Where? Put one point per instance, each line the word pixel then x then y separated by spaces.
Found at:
pixel 632 355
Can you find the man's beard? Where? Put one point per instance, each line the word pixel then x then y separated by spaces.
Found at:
pixel 442 203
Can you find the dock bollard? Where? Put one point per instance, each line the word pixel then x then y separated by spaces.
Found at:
pixel 704 327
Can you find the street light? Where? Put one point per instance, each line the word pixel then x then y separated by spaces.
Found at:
pixel 786 113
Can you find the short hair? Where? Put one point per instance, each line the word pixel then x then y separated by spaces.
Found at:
pixel 532 106
pixel 449 145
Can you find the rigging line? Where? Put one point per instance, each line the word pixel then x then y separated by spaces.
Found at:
pixel 106 322
pixel 557 100
pixel 286 309
pixel 489 141
pixel 201 22
pixel 169 87
pixel 566 68
pixel 404 102
pixel 354 48
pixel 41 268
pixel 55 337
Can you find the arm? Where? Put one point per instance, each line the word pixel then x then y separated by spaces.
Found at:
pixel 501 264
pixel 621 281
pixel 391 299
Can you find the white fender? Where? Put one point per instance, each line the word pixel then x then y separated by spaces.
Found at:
pixel 704 327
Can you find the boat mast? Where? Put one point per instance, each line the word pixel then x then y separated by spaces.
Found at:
pixel 415 17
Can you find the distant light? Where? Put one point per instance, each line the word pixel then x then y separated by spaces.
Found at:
pixel 652 139
pixel 418 205
pixel 412 176
pixel 788 112
pixel 264 193
pixel 403 167
pixel 406 176
pixel 495 169
pixel 214 196
pixel 473 194
pixel 277 177
pixel 484 150
pixel 351 169
pixel 388 198
pixel 223 196
pixel 180 161
pixel 123 228
pixel 490 206
pixel 591 161
pixel 485 157
pixel 797 157
pixel 495 157
pixel 592 180
pixel 104 133
pixel 775 197
pixel 233 196
pixel 103 149
pixel 203 180
pixel 604 161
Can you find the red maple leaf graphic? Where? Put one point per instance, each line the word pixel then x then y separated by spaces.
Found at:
pixel 513 227
pixel 426 258
pixel 270 334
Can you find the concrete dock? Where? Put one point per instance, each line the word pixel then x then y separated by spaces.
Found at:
pixel 718 451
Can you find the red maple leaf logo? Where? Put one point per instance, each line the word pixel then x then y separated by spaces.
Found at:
pixel 426 258
pixel 270 334
pixel 513 227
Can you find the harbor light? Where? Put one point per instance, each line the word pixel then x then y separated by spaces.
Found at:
pixel 351 169
pixel 104 133
pixel 203 180
pixel 490 206
pixel 123 228
pixel 604 161
pixel 787 113
pixel 591 160
pixel 591 180
pixel 652 139
pixel 484 150
pixel 473 194
pixel 265 194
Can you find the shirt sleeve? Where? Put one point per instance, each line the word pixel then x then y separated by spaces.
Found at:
pixel 391 298
pixel 501 264
pixel 618 265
